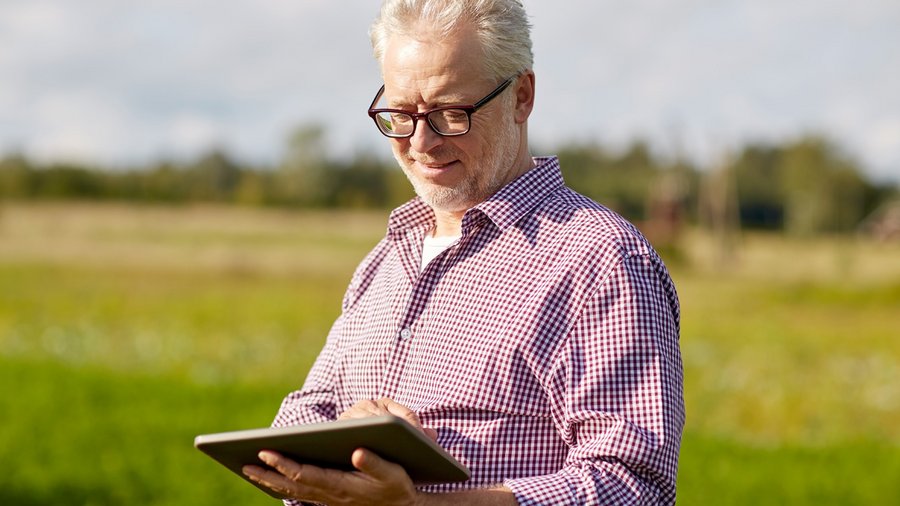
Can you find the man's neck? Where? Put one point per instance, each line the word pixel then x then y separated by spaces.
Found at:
pixel 447 223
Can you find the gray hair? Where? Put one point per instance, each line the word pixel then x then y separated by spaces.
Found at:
pixel 501 25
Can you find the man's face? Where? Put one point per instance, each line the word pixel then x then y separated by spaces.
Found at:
pixel 450 174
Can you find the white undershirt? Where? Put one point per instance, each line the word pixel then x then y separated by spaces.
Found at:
pixel 434 246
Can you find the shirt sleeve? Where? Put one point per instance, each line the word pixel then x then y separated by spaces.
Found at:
pixel 615 390
pixel 315 401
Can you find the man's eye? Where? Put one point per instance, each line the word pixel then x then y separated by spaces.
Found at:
pixel 400 119
pixel 454 116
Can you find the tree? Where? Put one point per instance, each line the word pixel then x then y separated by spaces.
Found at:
pixel 823 190
pixel 756 173
pixel 300 177
pixel 214 177
pixel 16 177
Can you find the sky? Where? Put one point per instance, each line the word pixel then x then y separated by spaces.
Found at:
pixel 116 83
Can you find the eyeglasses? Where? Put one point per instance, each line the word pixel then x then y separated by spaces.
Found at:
pixel 449 121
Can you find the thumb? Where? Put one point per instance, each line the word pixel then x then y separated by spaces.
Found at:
pixel 371 464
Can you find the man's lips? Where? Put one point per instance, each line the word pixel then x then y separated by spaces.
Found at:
pixel 435 165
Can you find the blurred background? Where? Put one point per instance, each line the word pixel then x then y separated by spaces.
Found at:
pixel 187 186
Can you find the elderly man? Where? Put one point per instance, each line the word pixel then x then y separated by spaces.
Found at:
pixel 530 330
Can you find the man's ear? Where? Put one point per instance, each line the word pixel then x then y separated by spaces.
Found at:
pixel 524 96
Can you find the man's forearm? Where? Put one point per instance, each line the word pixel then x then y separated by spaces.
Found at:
pixel 500 496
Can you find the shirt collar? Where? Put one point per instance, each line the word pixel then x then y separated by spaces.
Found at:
pixel 503 209
pixel 506 207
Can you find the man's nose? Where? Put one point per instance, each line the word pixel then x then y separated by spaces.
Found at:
pixel 424 138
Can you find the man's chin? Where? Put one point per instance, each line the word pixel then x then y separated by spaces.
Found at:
pixel 448 200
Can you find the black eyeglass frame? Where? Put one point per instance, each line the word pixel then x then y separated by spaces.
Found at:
pixel 468 109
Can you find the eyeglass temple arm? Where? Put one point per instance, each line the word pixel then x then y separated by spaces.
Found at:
pixel 377 96
pixel 475 107
pixel 494 93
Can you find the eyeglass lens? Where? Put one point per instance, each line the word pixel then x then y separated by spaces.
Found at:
pixel 444 122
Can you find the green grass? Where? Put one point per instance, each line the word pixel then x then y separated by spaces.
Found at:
pixel 126 331
pixel 723 471
pixel 200 326
pixel 769 361
pixel 89 436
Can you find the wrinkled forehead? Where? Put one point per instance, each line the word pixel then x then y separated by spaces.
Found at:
pixel 427 68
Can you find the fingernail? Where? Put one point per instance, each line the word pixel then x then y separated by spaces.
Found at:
pixel 265 457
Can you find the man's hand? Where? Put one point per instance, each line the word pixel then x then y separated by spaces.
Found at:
pixel 376 481
pixel 386 406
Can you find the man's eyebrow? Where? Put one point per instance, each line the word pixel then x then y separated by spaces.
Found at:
pixel 398 104
pixel 441 101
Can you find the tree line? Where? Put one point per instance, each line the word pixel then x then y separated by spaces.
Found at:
pixel 803 186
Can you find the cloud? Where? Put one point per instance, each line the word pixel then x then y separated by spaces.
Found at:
pixel 726 72
pixel 113 81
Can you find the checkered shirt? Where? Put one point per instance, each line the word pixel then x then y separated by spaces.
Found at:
pixel 542 346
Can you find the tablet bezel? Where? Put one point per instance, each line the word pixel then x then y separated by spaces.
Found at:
pixel 330 445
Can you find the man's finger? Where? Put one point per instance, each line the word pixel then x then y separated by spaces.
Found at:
pixel 292 479
pixel 363 409
pixel 386 406
pixel 395 408
pixel 285 466
pixel 371 464
pixel 272 480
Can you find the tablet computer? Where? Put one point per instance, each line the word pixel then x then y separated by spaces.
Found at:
pixel 330 445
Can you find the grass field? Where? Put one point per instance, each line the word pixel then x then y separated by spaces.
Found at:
pixel 125 331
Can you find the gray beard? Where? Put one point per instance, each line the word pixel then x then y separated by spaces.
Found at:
pixel 474 190
pixel 459 198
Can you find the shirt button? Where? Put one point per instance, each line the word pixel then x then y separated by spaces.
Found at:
pixel 405 333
